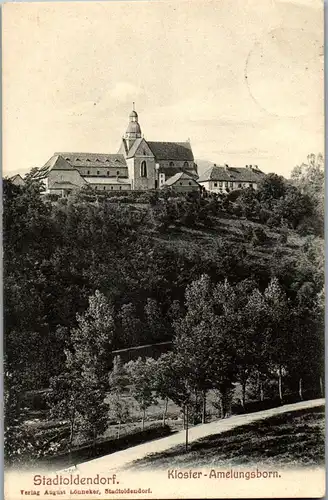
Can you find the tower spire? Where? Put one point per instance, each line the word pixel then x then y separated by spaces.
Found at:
pixel 133 106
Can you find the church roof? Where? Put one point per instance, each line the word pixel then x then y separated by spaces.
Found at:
pixel 134 147
pixel 94 160
pixel 223 173
pixel 171 150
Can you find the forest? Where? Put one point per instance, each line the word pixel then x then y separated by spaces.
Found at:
pixel 234 281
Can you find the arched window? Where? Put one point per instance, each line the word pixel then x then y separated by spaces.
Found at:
pixel 143 169
pixel 186 164
pixel 171 163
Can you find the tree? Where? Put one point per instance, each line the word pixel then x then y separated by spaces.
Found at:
pixel 130 326
pixel 141 375
pixel 271 188
pixel 79 392
pixel 277 332
pixel 118 383
pixel 155 320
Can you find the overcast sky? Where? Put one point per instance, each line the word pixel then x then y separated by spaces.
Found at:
pixel 243 79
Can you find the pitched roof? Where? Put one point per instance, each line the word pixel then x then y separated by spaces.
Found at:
pixel 57 162
pixel 170 171
pixel 17 177
pixel 171 150
pixel 94 160
pixel 223 173
pixel 134 147
pixel 177 177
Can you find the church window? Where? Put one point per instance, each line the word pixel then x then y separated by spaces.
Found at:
pixel 171 163
pixel 88 172
pixel 88 159
pixel 239 185
pixel 107 172
pixel 220 183
pixel 144 152
pixel 78 159
pixel 104 187
pixel 97 159
pixel 226 184
pixel 67 159
pixel 98 172
pixel 250 185
pixel 231 184
pixel 118 172
pixel 111 187
pixel 186 164
pixel 96 187
pixel 143 169
pixel 180 183
pixel 215 184
pixel 107 160
pixel 189 183
pixel 120 187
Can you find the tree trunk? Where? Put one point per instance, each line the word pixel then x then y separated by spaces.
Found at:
pixel 204 408
pixel 187 427
pixel 261 391
pixel 195 409
pixel 165 410
pixel 243 394
pixel 300 388
pixel 72 422
pixel 94 441
pixel 143 418
pixel 280 384
pixel 321 386
pixel 184 416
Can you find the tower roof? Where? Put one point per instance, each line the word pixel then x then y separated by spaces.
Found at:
pixel 133 131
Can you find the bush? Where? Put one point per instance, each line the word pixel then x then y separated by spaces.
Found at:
pixel 259 236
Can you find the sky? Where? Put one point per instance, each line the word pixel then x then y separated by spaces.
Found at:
pixel 242 79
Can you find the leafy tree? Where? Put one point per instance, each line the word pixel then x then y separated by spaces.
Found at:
pixel 79 392
pixel 277 337
pixel 271 188
pixel 141 375
pixel 118 384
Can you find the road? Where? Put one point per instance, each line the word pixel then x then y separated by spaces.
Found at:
pixel 124 458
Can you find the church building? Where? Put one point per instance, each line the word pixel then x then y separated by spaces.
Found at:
pixel 138 165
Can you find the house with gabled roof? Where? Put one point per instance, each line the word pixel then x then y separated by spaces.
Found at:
pixel 138 165
pixel 182 182
pixel 17 180
pixel 225 178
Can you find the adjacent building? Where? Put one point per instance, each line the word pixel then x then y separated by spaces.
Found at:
pixel 17 180
pixel 225 178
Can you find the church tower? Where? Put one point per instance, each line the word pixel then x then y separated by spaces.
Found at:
pixel 133 131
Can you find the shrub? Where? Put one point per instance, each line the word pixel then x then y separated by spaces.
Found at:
pixel 259 236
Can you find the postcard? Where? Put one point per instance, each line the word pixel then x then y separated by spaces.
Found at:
pixel 163 249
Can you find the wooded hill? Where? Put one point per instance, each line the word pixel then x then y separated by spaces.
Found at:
pixel 91 274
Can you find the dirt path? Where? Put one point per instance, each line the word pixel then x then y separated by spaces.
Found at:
pixel 120 459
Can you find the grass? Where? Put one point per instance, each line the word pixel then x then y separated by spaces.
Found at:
pixel 289 440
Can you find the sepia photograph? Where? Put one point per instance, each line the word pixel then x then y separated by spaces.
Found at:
pixel 163 249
